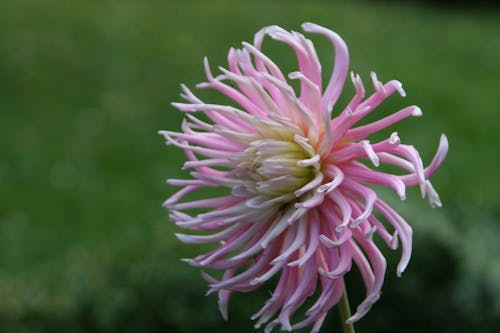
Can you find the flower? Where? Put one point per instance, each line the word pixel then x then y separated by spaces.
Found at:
pixel 298 202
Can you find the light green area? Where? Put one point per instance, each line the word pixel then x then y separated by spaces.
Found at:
pixel 85 245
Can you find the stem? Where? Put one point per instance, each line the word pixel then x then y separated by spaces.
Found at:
pixel 345 313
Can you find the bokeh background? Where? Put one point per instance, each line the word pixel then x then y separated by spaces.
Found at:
pixel 85 245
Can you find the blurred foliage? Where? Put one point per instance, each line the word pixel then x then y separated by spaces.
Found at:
pixel 84 243
pixel 458 4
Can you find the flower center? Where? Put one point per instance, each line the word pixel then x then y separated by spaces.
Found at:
pixel 273 170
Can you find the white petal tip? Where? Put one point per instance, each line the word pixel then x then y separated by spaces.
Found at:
pixel 443 141
pixel 417 112
pixel 400 270
pixel 308 26
pixel 180 237
pixel 394 139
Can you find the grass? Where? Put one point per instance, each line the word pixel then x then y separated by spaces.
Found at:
pixel 85 86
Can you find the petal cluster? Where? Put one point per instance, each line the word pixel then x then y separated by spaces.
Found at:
pixel 299 202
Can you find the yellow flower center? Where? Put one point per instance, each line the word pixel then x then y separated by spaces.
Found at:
pixel 273 170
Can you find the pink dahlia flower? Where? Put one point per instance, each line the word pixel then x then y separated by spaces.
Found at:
pixel 299 202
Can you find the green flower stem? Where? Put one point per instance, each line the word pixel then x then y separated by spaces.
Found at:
pixel 345 313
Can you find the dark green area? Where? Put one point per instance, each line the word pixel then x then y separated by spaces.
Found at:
pixel 85 245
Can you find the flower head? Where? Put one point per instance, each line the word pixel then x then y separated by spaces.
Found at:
pixel 299 201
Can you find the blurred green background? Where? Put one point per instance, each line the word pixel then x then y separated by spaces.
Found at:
pixel 85 245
